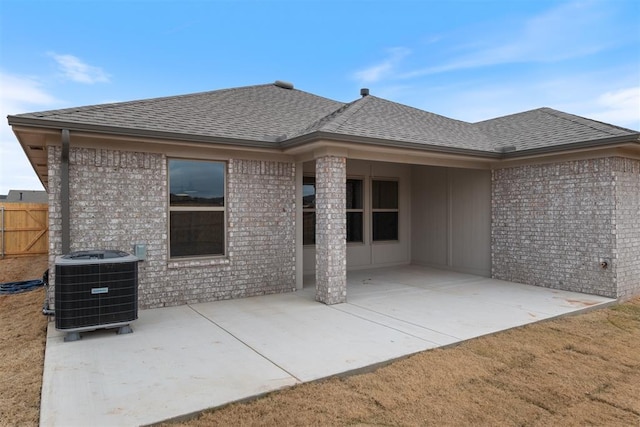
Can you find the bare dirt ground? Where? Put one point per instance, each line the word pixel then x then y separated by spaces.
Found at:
pixel 578 370
pixel 22 341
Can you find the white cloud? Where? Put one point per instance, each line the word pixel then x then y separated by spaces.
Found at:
pixel 18 91
pixel 384 69
pixel 74 69
pixel 555 45
pixel 19 94
pixel 568 31
pixel 611 96
pixel 16 172
pixel 619 106
pixel 571 30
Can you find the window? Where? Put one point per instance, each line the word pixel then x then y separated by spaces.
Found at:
pixel 308 210
pixel 196 208
pixel 384 210
pixel 354 210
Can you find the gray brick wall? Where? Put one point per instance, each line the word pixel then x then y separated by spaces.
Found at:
pixel 627 181
pixel 552 225
pixel 331 230
pixel 118 199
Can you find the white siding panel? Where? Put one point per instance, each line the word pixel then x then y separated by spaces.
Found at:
pixel 451 217
pixel 471 220
pixel 430 215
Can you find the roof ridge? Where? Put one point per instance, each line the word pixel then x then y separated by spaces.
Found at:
pixel 603 127
pixel 508 115
pixel 109 105
pixel 346 113
pixel 321 121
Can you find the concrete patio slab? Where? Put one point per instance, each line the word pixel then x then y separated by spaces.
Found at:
pixel 176 362
pixel 182 360
pixel 307 339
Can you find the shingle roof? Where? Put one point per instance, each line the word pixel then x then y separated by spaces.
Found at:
pixel 271 114
pixel 257 113
pixel 27 196
pixel 373 117
pixel 546 127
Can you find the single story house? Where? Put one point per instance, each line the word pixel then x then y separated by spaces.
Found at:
pixel 26 196
pixel 244 191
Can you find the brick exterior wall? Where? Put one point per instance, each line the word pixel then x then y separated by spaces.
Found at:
pixel 331 230
pixel 118 199
pixel 552 225
pixel 626 174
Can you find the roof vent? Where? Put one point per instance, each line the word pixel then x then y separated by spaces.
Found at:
pixel 506 149
pixel 364 92
pixel 283 85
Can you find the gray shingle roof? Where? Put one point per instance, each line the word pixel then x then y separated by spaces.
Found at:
pixel 373 117
pixel 546 127
pixel 255 113
pixel 271 114
pixel 27 196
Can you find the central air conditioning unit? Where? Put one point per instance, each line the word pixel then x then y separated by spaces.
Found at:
pixel 95 290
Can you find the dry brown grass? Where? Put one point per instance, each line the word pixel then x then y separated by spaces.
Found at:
pixel 22 341
pixel 578 370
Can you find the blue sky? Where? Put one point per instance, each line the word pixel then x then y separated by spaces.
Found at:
pixel 469 60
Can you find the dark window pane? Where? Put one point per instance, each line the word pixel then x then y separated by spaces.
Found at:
pixel 354 194
pixel 308 192
pixel 197 233
pixel 196 183
pixel 385 226
pixel 354 227
pixel 384 194
pixel 308 228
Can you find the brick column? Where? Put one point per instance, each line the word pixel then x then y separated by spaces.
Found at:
pixel 331 230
